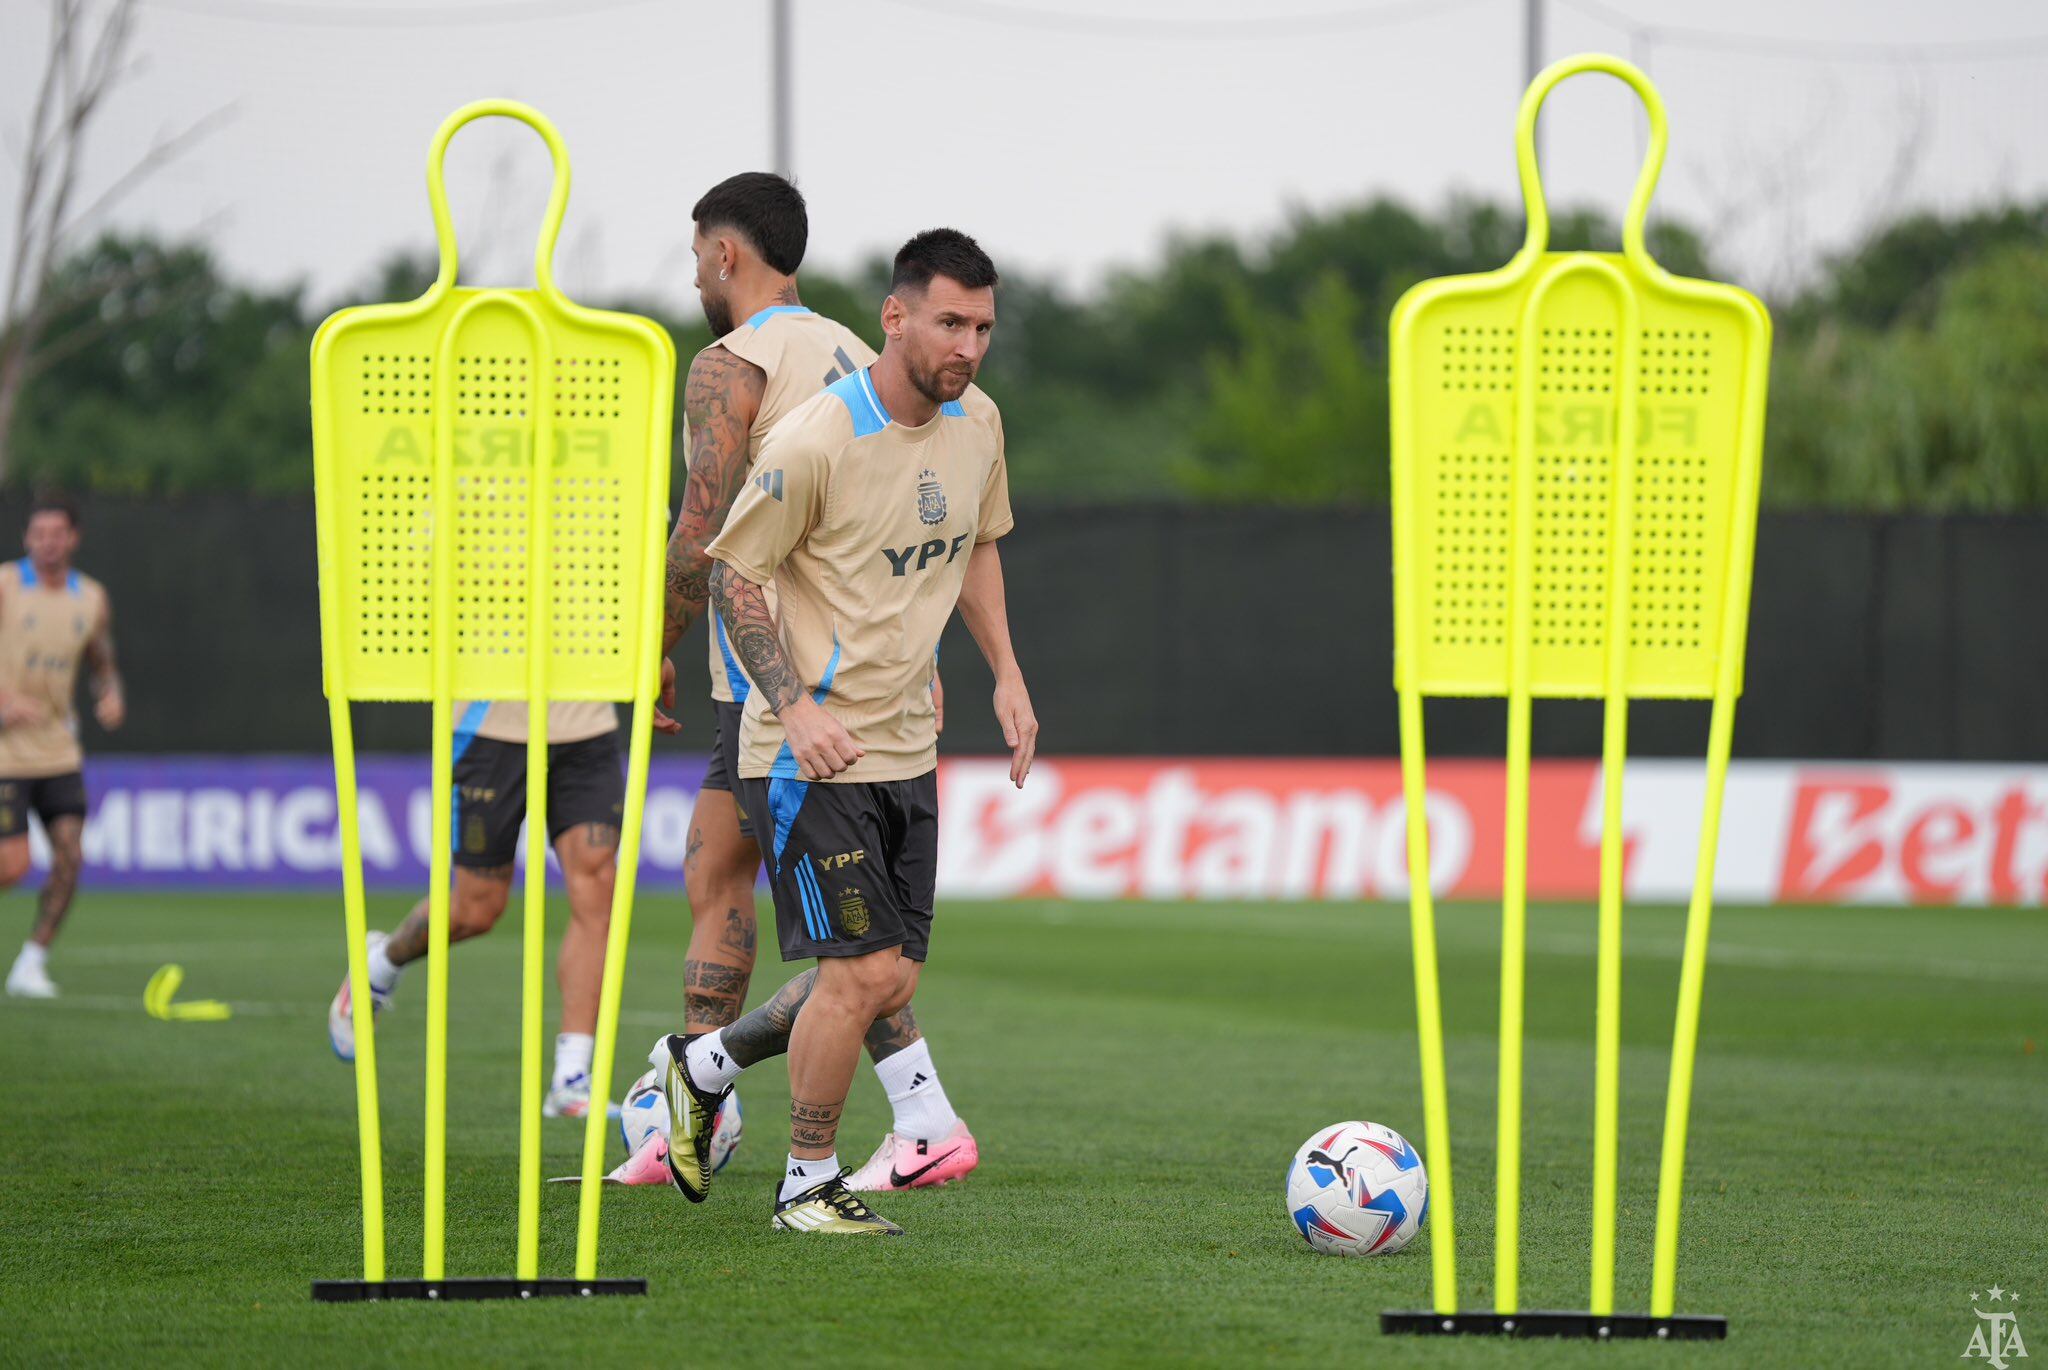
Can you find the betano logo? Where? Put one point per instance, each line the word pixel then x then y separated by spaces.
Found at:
pixel 493 444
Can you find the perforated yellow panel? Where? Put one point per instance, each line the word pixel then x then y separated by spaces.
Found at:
pixel 607 416
pixel 1461 406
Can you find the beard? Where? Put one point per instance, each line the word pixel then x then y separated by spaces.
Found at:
pixel 939 384
pixel 717 313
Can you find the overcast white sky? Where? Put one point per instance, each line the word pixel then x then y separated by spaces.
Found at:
pixel 1071 137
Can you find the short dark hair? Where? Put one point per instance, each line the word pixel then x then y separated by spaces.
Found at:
pixel 766 209
pixel 54 504
pixel 942 252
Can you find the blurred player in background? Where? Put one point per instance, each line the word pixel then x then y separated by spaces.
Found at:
pixel 586 798
pixel 772 354
pixel 51 615
pixel 872 509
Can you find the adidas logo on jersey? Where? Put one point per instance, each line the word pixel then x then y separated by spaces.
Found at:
pixel 770 483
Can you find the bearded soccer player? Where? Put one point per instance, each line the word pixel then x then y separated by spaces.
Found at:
pixel 586 797
pixel 872 509
pixel 772 355
pixel 51 615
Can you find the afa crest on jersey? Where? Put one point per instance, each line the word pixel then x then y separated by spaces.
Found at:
pixel 931 497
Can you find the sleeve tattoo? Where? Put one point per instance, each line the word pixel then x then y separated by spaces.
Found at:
pixel 751 629
pixel 720 399
pixel 99 655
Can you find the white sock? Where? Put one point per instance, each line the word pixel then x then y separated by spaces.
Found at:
pixel 923 1113
pixel 383 974
pixel 803 1174
pixel 572 1056
pixel 34 955
pixel 711 1065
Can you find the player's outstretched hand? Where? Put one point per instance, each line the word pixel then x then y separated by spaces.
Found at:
pixel 662 722
pixel 111 709
pixel 1020 726
pixel 819 742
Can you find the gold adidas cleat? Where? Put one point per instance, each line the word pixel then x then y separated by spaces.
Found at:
pixel 693 1118
pixel 829 1206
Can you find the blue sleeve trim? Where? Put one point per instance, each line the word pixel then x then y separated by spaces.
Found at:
pixel 857 395
pixel 772 310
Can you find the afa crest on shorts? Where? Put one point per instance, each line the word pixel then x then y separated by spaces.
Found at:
pixel 931 497
pixel 853 912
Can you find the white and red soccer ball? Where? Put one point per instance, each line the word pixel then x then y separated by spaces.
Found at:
pixel 1357 1189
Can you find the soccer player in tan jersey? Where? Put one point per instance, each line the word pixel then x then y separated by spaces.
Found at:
pixel 872 510
pixel 50 616
pixel 586 797
pixel 772 354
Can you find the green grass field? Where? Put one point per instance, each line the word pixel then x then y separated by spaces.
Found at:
pixel 1867 1149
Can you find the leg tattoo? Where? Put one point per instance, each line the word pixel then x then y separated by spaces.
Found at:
pixel 55 900
pixel 713 993
pixel 740 934
pixel 891 1035
pixel 813 1124
pixel 765 1031
pixel 408 942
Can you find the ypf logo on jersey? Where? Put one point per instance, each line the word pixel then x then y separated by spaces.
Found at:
pixel 1996 1337
pixel 931 497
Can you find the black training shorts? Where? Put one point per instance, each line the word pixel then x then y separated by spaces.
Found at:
pixel 723 770
pixel 852 865
pixel 50 796
pixel 585 785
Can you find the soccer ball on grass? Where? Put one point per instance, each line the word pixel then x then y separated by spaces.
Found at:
pixel 1357 1189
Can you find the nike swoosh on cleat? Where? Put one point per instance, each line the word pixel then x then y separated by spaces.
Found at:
pixel 898 1178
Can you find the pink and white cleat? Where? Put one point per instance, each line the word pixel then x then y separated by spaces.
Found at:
pixel 900 1163
pixel 648 1165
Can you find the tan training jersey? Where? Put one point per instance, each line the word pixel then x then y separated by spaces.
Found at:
pixel 802 353
pixel 865 528
pixel 504 720
pixel 43 632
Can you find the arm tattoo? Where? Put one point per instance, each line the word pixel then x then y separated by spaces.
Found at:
pixel 891 1035
pixel 713 993
pixel 814 1124
pixel 99 655
pixel 720 400
pixel 765 1031
pixel 751 629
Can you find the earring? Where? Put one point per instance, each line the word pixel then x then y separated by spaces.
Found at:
pixel 721 273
